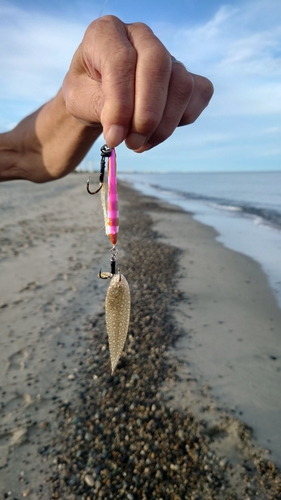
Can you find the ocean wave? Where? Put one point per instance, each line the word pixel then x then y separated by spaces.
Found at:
pixel 273 217
pixel 229 208
pixel 264 215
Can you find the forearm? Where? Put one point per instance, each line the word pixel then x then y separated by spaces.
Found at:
pixel 46 145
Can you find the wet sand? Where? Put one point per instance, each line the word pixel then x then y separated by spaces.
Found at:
pixel 233 327
pixel 60 408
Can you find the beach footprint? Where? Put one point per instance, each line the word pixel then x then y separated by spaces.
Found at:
pixel 15 403
pixel 17 360
pixel 9 440
pixel 19 401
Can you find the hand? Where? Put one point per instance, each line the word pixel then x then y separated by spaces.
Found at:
pixel 123 78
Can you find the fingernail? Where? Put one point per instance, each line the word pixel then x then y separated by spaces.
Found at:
pixel 135 141
pixel 115 135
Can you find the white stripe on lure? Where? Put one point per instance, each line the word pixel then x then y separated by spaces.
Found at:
pixel 118 301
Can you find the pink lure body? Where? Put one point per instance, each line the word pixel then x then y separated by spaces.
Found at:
pixel 112 200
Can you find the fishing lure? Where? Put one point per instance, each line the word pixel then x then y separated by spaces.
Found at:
pixel 117 302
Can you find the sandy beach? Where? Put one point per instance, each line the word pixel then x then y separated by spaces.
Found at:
pixel 173 421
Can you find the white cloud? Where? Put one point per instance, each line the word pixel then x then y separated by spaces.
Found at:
pixel 240 51
pixel 272 130
pixel 35 53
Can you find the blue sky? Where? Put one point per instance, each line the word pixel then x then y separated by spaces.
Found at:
pixel 237 44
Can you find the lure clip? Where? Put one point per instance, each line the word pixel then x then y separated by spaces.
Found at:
pixel 107 275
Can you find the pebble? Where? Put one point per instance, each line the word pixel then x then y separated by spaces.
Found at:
pixel 26 492
pixel 71 376
pixel 181 434
pixel 97 485
pixel 88 437
pixel 121 428
pixel 89 480
pixel 223 462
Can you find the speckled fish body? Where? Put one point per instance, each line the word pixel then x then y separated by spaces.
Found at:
pixel 112 200
pixel 117 315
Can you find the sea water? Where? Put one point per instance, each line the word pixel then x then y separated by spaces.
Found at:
pixel 244 208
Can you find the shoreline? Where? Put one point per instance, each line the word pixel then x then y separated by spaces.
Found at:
pixel 100 426
pixel 229 308
pixel 244 232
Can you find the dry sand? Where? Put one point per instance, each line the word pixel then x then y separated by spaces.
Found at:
pixel 52 246
pixel 51 250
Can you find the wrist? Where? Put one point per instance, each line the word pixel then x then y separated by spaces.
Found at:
pixel 64 139
pixel 10 153
pixel 46 145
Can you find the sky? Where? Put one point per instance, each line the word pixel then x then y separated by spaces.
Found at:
pixel 236 44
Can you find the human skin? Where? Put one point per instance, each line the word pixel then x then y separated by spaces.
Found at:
pixel 122 82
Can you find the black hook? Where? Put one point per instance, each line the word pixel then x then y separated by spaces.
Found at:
pixel 105 153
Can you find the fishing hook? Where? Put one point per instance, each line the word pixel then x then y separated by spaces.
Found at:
pixel 105 153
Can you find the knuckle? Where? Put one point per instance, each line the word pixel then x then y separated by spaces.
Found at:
pixel 149 122
pixel 162 135
pixel 191 118
pixel 84 104
pixel 149 44
pixel 207 89
pixel 182 96
pixel 104 24
pixel 184 83
pixel 123 57
pixel 121 114
pixel 142 29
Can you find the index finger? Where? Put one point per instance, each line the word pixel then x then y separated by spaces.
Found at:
pixel 153 72
pixel 115 62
